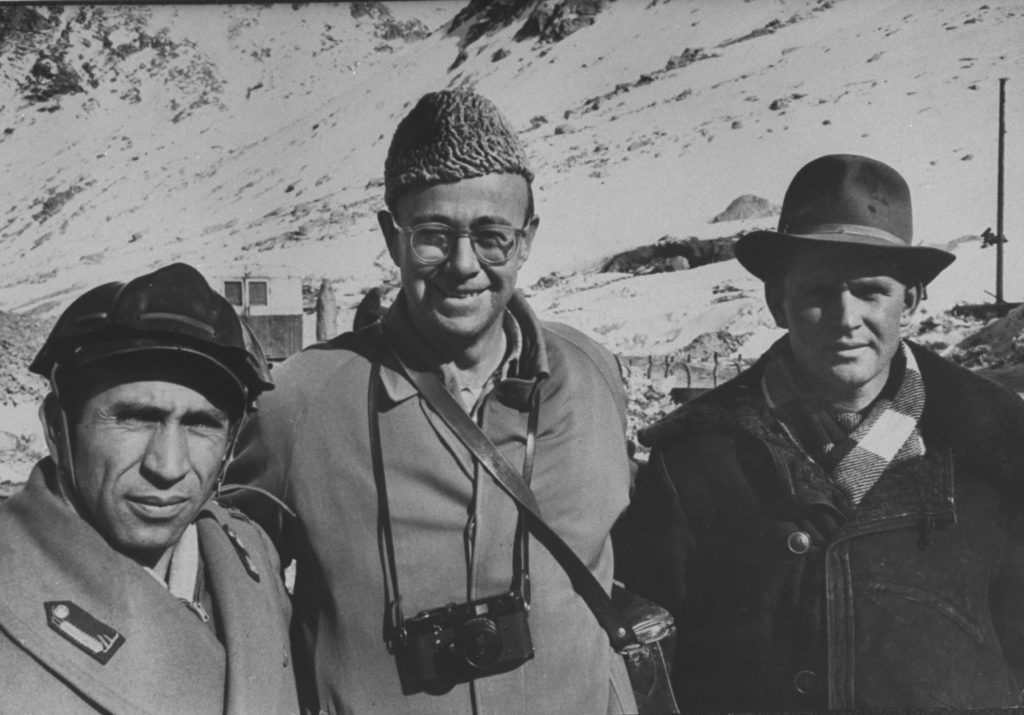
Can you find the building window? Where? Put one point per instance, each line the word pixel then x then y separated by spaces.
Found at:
pixel 257 292
pixel 233 292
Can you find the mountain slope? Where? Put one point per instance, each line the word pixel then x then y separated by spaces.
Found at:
pixel 255 135
pixel 252 137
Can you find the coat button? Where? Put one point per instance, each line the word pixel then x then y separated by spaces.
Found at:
pixel 804 682
pixel 799 542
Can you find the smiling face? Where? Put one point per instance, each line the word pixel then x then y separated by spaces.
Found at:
pixel 146 456
pixel 844 310
pixel 457 304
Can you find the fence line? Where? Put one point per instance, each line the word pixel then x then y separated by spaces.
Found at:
pixel 696 373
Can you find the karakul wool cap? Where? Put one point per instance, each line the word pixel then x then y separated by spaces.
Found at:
pixel 448 136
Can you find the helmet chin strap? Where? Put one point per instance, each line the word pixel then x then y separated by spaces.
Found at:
pixel 248 407
pixel 58 435
pixel 229 451
pixel 63 456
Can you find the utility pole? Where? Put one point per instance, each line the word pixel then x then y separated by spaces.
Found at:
pixel 999 194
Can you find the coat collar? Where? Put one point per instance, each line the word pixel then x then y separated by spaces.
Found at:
pixel 924 487
pixel 50 555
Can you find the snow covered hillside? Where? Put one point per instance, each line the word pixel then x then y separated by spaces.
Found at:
pixel 253 138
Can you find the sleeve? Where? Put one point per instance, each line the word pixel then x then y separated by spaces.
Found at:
pixel 606 364
pixel 692 484
pixel 652 539
pixel 1007 601
pixel 1006 596
pixel 256 482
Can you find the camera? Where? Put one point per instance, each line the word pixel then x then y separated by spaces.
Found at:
pixel 457 643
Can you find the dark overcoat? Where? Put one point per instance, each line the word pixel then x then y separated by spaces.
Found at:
pixel 912 599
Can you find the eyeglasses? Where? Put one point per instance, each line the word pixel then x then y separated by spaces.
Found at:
pixel 432 243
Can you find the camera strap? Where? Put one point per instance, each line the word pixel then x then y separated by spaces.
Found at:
pixel 620 634
pixel 394 621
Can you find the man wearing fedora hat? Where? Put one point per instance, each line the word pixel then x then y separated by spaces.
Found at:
pixel 840 525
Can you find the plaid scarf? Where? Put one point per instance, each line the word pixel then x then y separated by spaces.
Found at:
pixel 853 448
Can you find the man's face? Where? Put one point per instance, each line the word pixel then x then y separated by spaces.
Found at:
pixel 844 311
pixel 459 302
pixel 146 457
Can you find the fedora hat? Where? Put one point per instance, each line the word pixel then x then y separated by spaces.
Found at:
pixel 844 200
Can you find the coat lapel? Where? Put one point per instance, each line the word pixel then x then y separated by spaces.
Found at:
pixel 239 591
pixel 922 487
pixel 54 567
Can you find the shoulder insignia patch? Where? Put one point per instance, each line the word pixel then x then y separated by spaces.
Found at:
pixel 243 553
pixel 94 637
pixel 236 513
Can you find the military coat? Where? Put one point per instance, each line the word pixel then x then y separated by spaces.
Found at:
pixel 84 629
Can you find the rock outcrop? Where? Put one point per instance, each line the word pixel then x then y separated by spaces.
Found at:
pixel 747 206
pixel 21 337
pixel 671 254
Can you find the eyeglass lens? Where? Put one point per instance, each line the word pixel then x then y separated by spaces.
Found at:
pixel 492 244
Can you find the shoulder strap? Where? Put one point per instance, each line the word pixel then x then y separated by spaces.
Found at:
pixel 223 496
pixel 472 437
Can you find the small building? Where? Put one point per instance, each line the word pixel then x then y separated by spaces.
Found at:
pixel 270 304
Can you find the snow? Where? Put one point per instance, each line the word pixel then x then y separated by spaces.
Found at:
pixel 280 169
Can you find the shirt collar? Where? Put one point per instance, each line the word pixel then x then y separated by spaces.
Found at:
pixel 525 354
pixel 471 396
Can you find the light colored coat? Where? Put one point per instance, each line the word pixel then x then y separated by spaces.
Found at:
pixel 170 661
pixel 453 526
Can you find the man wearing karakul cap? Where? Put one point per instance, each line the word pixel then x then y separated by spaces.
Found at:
pixel 459 226
pixel 841 525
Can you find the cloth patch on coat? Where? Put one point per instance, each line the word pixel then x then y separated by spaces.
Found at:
pixel 90 635
pixel 243 553
pixel 887 434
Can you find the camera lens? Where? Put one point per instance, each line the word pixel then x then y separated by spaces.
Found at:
pixel 479 642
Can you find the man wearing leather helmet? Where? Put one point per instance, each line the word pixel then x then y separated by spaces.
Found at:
pixel 841 525
pixel 123 586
